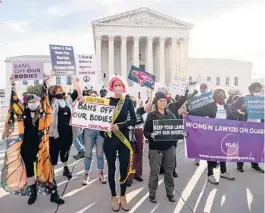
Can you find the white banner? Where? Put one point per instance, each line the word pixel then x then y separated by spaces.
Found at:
pixel 92 115
pixel 87 70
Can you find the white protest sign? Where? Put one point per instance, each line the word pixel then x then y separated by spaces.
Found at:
pixel 93 114
pixel 179 83
pixel 87 70
pixel 27 70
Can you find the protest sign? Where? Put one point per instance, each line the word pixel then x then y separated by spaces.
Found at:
pixel 168 129
pixel 200 101
pixel 63 59
pixel 87 70
pixel 27 70
pixel 92 114
pixel 179 83
pixel 141 77
pixel 224 140
pixel 255 107
pixel 97 100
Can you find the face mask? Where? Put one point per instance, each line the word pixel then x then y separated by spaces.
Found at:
pixel 33 106
pixel 59 96
pixel 117 90
pixel 258 94
pixel 204 91
pixel 134 103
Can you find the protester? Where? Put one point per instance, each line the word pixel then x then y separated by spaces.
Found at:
pixel 255 89
pixel 160 150
pixel 93 138
pixel 103 92
pixel 118 140
pixel 137 140
pixel 216 109
pixel 33 121
pixel 61 133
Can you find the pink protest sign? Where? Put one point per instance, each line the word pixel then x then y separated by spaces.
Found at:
pixel 27 70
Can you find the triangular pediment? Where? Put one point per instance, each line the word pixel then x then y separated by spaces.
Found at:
pixel 142 17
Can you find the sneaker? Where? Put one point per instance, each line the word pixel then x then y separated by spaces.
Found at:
pixel 171 198
pixel 115 204
pixel 152 199
pixel 101 177
pixel 258 169
pixel 212 180
pixel 80 155
pixel 139 179
pixel 85 180
pixel 227 176
pixel 124 204
pixel 67 173
pixel 197 162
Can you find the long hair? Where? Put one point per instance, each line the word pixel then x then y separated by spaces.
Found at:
pixel 55 88
pixel 37 112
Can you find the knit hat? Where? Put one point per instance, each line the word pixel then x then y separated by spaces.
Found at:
pixel 159 95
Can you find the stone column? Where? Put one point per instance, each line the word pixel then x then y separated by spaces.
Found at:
pixel 173 55
pixel 136 51
pixel 150 54
pixel 124 57
pixel 98 55
pixel 184 54
pixel 162 71
pixel 111 56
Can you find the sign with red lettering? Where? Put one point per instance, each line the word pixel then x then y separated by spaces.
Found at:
pixel 27 70
pixel 92 115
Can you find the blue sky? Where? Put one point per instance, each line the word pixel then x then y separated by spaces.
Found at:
pixel 222 28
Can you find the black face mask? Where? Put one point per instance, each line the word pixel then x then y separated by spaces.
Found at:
pixel 59 96
pixel 134 103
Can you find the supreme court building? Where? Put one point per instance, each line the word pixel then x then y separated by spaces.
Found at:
pixel 145 38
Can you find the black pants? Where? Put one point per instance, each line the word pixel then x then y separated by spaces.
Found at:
pixel 212 164
pixel 29 151
pixel 60 146
pixel 110 147
pixel 241 164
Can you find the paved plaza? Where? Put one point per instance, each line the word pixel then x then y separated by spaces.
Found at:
pixel 194 194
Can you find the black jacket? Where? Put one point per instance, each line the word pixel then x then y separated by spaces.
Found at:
pixel 209 110
pixel 148 130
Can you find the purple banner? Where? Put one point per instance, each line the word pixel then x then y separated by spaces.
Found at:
pixel 27 70
pixel 224 140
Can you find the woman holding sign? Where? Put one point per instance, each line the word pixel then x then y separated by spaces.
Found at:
pixel 118 140
pixel 159 150
pixel 27 168
pixel 60 132
pixel 93 138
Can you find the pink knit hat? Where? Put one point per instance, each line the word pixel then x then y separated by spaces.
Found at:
pixel 118 78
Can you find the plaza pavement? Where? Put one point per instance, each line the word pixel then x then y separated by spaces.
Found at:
pixel 194 194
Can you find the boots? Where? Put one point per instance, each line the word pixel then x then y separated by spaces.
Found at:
pixel 115 204
pixel 124 204
pixel 66 172
pixel 55 198
pixel 33 194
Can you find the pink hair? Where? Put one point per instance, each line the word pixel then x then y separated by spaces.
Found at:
pixel 118 78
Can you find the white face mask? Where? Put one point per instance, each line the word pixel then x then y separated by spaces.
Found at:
pixel 117 90
pixel 33 106
pixel 258 94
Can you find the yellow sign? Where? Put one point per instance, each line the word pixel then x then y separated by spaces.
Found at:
pixel 96 100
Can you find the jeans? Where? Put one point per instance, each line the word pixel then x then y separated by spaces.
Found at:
pixel 91 138
pixel 78 143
